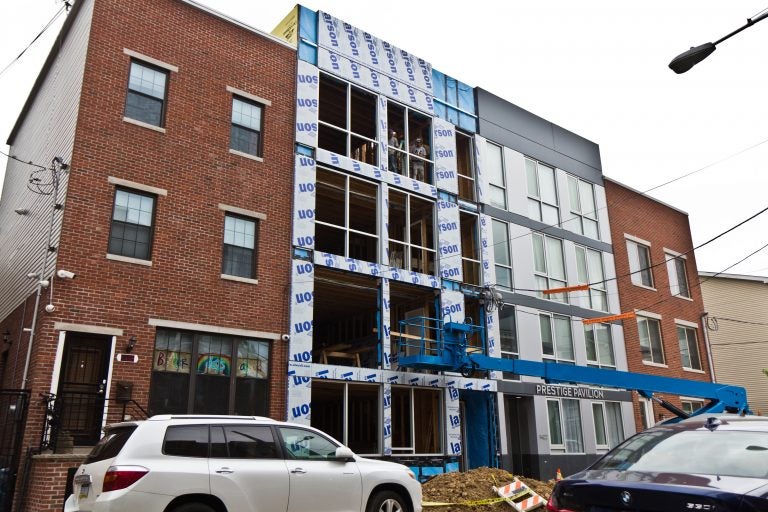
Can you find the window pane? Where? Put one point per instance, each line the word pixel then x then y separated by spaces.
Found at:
pixel 615 424
pixel 500 243
pixel 246 114
pixel 401 418
pixel 573 193
pixel 547 186
pixel 186 441
pixel 682 280
pixel 604 344
pixel 362 206
pixel 130 233
pixel 555 258
pixel 427 406
pixel 597 413
pixel 656 348
pixel 572 426
pixel 563 338
pixel 494 165
pixel 144 109
pixel 330 197
pixel 328 408
pixel 363 418
pixel 333 102
pixel 550 214
pixel 547 343
pixel 147 80
pixel 596 268
pixel 363 113
pixel 247 141
pixel 587 196
pixel 533 179
pixel 539 257
pixel 497 197
pixel 508 330
pixel 581 265
pixel 306 444
pixel 555 432
pixel 250 442
pixel 589 342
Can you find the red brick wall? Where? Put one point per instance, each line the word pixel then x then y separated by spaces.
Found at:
pixel 47 483
pixel 191 160
pixel 634 214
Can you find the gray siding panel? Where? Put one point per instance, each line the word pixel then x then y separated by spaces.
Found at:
pixel 507 124
pixel 46 130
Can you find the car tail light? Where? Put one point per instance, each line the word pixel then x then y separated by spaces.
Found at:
pixel 552 506
pixel 120 477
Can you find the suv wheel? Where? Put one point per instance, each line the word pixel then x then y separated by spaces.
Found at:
pixel 387 501
pixel 194 507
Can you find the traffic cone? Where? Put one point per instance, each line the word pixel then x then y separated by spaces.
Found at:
pixel 558 476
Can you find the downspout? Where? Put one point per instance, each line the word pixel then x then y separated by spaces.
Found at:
pixel 705 325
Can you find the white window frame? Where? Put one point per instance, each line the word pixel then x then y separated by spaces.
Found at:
pixel 497 246
pixel 555 338
pixel 597 281
pixel 656 319
pixel 605 424
pixel 597 363
pixel 502 187
pixel 635 266
pixel 543 279
pixel 534 196
pixel 689 327
pixel 580 215
pixel 507 354
pixel 691 402
pixel 672 258
pixel 646 412
pixel 563 447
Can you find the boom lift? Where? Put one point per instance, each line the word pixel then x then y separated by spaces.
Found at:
pixel 429 343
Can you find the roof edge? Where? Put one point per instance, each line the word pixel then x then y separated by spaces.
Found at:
pixel 606 178
pixel 739 277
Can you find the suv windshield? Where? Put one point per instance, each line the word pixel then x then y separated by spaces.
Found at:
pixel 723 453
pixel 110 445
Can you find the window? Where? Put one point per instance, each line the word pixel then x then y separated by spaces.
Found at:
pixel 346 216
pixel 349 412
pixel 465 167
pixel 454 101
pixel 470 248
pixel 347 116
pixel 597 338
pixel 640 263
pixel 689 347
pixel 690 406
pixel 247 125
pixel 243 442
pixel 408 145
pixel 556 338
pixel 300 443
pixel 650 340
pixel 146 96
pixel 501 254
pixel 240 235
pixel 508 335
pixel 497 188
pixel 202 373
pixel 565 425
pixel 132 222
pixel 416 416
pixel 186 441
pixel 678 278
pixel 582 195
pixel 646 412
pixel 549 265
pixel 589 270
pixel 609 428
pixel 542 193
pixel 411 232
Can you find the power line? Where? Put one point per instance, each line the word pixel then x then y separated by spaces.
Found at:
pixel 46 27
pixel 13 157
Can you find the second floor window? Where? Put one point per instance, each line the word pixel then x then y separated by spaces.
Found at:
pixel 497 186
pixel 549 265
pixel 599 345
pixel 346 216
pixel 542 193
pixel 347 116
pixel 589 267
pixel 411 232
pixel 582 196
pixel 508 341
pixel 145 100
pixel 689 347
pixel 678 278
pixel 132 224
pixel 240 235
pixel 245 133
pixel 640 263
pixel 501 254
pixel 408 142
pixel 650 340
pixel 556 338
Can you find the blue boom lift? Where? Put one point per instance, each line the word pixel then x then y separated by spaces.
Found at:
pixel 431 344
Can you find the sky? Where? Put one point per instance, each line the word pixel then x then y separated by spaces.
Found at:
pixel 595 67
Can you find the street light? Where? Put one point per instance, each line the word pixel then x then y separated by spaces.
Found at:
pixel 690 58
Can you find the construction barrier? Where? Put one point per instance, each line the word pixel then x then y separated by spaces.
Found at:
pixel 520 496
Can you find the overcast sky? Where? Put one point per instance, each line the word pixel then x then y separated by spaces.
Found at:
pixel 595 67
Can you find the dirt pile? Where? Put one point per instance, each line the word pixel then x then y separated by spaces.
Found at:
pixel 475 485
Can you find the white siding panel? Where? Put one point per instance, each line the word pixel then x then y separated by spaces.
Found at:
pixel 47 131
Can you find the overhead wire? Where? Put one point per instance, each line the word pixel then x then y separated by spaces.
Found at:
pixel 45 28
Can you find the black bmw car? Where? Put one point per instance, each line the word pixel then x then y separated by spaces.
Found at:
pixel 715 463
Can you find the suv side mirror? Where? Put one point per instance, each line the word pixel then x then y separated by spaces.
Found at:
pixel 345 454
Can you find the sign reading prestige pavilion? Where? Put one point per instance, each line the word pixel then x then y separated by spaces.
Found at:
pixel 570 391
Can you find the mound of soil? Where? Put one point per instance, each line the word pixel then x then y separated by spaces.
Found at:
pixel 475 485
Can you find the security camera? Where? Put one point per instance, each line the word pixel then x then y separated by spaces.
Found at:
pixel 32 275
pixel 285 337
pixel 50 308
pixel 66 274
pixel 44 283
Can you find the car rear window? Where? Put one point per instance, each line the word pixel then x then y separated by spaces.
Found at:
pixel 722 452
pixel 186 441
pixel 110 445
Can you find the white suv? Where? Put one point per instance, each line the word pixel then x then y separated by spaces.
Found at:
pixel 234 464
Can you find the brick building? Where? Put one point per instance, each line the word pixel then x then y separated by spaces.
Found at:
pixel 657 278
pixel 171 126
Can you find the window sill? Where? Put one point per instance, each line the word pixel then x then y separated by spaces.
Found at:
pixel 239 279
pixel 693 370
pixel 144 125
pixel 126 259
pixel 657 365
pixel 689 299
pixel 246 155
pixel 646 287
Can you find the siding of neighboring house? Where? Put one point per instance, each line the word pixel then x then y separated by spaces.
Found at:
pixel 738 309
